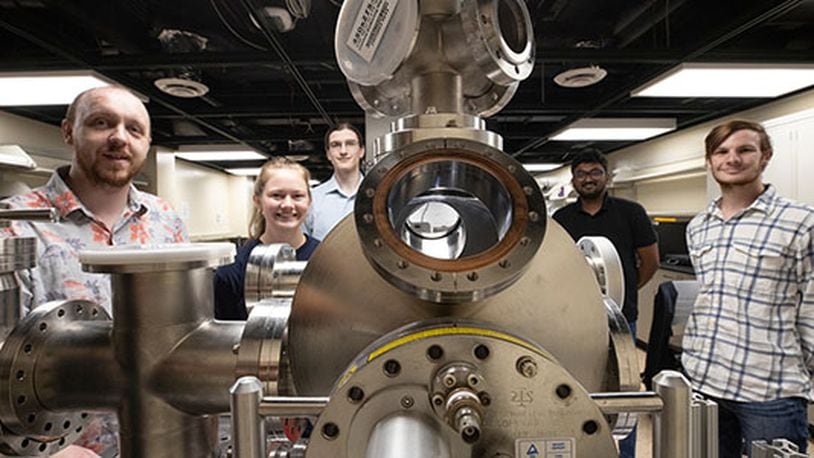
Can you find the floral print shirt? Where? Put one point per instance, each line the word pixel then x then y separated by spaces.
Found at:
pixel 146 219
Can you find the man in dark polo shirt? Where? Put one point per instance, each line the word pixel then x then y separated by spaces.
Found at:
pixel 624 223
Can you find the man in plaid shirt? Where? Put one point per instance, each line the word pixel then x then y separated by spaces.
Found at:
pixel 749 342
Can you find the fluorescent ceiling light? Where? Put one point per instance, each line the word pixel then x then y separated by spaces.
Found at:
pixel 222 155
pixel 541 167
pixel 46 88
pixel 246 172
pixel 610 129
pixel 728 80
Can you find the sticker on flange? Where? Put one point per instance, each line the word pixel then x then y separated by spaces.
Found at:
pixel 561 447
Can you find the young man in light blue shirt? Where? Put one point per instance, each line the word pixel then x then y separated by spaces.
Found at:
pixel 333 200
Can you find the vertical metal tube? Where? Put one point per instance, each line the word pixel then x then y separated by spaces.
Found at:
pixel 153 312
pixel 405 436
pixel 248 429
pixel 437 92
pixel 697 424
pixel 712 430
pixel 672 427
pixel 9 303
pixel 16 253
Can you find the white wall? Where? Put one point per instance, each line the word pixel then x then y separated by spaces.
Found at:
pixel 682 153
pixel 213 204
pixel 43 142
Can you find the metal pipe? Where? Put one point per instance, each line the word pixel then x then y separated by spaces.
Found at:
pixel 436 92
pixel 79 370
pixel 672 429
pixel 292 406
pixel 154 312
pixel 704 427
pixel 639 402
pixel 30 214
pixel 192 386
pixel 10 312
pixel 403 435
pixel 16 253
pixel 248 429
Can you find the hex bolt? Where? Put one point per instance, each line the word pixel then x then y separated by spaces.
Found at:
pixel 449 380
pixel 438 400
pixel 527 367
pixel 472 380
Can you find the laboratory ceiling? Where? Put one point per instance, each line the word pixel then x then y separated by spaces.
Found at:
pixel 277 90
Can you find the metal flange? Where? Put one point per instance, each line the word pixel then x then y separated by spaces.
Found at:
pixel 508 209
pixel 30 429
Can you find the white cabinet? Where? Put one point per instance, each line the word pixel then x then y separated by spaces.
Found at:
pixel 793 161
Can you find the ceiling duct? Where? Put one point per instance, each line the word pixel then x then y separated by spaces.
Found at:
pixel 181 86
pixel 184 82
pixel 582 76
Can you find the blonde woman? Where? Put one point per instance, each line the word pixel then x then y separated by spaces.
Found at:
pixel 281 200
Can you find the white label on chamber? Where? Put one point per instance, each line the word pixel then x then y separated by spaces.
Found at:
pixel 369 27
pixel 560 447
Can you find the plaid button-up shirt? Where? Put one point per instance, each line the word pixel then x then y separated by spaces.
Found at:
pixel 750 336
pixel 146 219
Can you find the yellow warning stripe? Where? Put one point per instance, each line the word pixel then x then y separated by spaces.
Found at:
pixel 450 331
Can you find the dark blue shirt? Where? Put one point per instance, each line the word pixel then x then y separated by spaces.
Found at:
pixel 229 301
pixel 626 225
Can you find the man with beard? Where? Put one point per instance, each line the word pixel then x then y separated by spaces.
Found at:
pixel 749 341
pixel 109 131
pixel 624 223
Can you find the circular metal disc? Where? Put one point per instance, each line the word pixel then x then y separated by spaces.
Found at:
pixel 523 404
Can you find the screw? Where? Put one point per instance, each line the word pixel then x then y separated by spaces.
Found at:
pixel 435 352
pixel 527 367
pixel 407 402
pixel 356 394
pixel 481 351
pixel 392 368
pixel 449 380
pixel 563 391
pixel 330 431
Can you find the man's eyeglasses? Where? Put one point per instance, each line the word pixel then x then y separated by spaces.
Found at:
pixel 594 173
pixel 348 144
